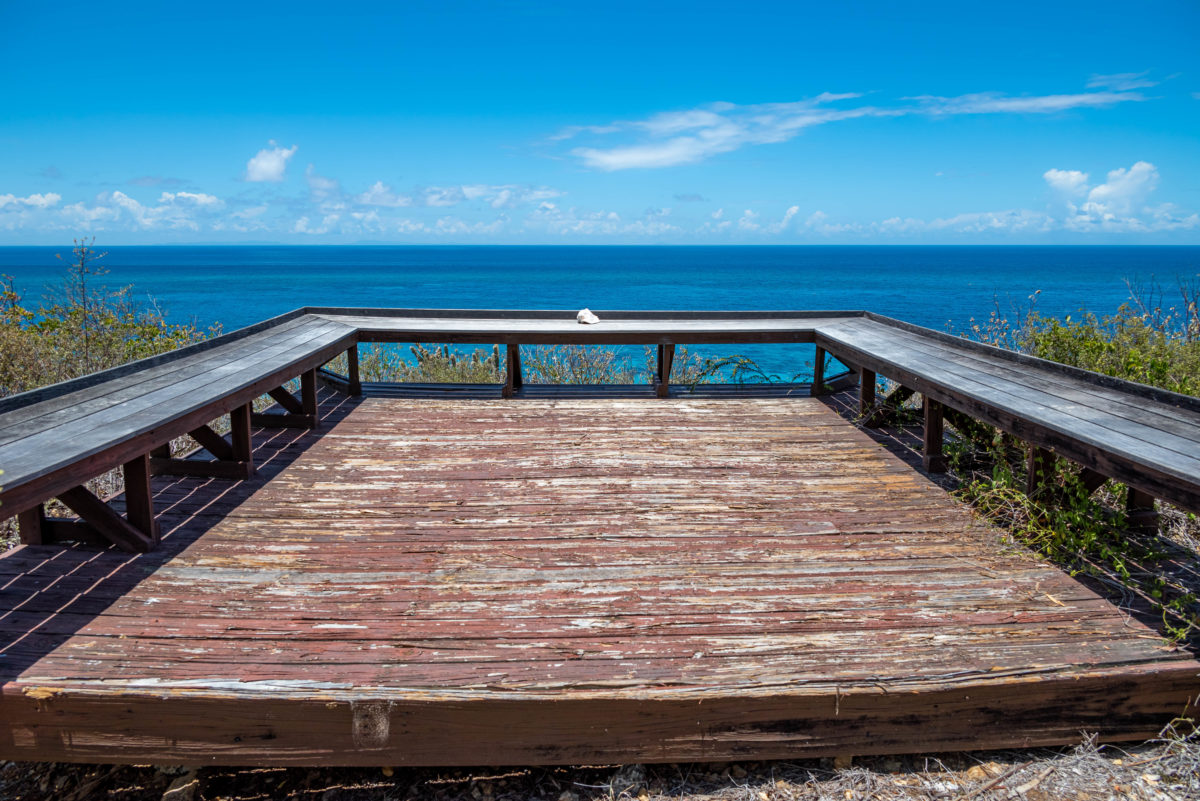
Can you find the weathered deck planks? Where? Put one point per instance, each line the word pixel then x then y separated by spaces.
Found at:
pixel 564 580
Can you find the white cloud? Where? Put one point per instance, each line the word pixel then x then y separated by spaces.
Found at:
pixel 37 201
pixel 673 138
pixel 1120 204
pixel 269 164
pixel 189 198
pixel 380 194
pixel 1121 81
pixel 1124 190
pixel 994 103
pixel 746 221
pixel 1068 182
pixel 781 225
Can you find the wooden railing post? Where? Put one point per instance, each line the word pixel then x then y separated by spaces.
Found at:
pixel 352 376
pixel 512 376
pixel 933 457
pixel 666 360
pixel 818 381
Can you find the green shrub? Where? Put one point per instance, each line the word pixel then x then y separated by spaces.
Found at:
pixel 81 327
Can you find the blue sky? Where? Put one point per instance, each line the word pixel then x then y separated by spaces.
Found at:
pixel 527 122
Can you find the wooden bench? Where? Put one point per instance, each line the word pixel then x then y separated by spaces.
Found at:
pixel 54 439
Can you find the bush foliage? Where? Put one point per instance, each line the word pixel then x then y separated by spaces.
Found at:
pixel 80 328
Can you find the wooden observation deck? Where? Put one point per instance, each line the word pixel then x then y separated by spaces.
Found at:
pixel 365 578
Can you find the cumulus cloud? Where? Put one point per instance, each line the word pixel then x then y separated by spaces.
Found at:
pixel 1120 204
pixel 673 138
pixel 270 163
pixel 1068 182
pixel 780 225
pixel 37 201
pixel 747 221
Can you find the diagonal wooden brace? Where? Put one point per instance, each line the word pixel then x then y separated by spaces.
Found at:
pixel 297 413
pixel 234 459
pixel 137 532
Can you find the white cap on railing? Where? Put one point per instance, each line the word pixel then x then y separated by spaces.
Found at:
pixel 585 317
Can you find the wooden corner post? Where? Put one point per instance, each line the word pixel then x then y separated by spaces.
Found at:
pixel 818 380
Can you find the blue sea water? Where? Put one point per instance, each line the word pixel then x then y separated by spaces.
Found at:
pixel 939 287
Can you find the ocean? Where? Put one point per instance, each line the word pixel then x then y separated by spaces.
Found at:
pixel 939 287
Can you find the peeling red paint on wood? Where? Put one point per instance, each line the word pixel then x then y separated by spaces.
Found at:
pixel 441 582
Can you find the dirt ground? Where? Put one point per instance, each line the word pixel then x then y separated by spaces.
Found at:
pixel 1167 769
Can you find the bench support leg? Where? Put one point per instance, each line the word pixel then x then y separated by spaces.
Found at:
pixel 883 411
pixel 32 526
pixel 866 392
pixel 934 459
pixel 1139 508
pixel 512 375
pixel 136 534
pixel 1039 471
pixel 234 459
pixel 297 412
pixel 666 360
